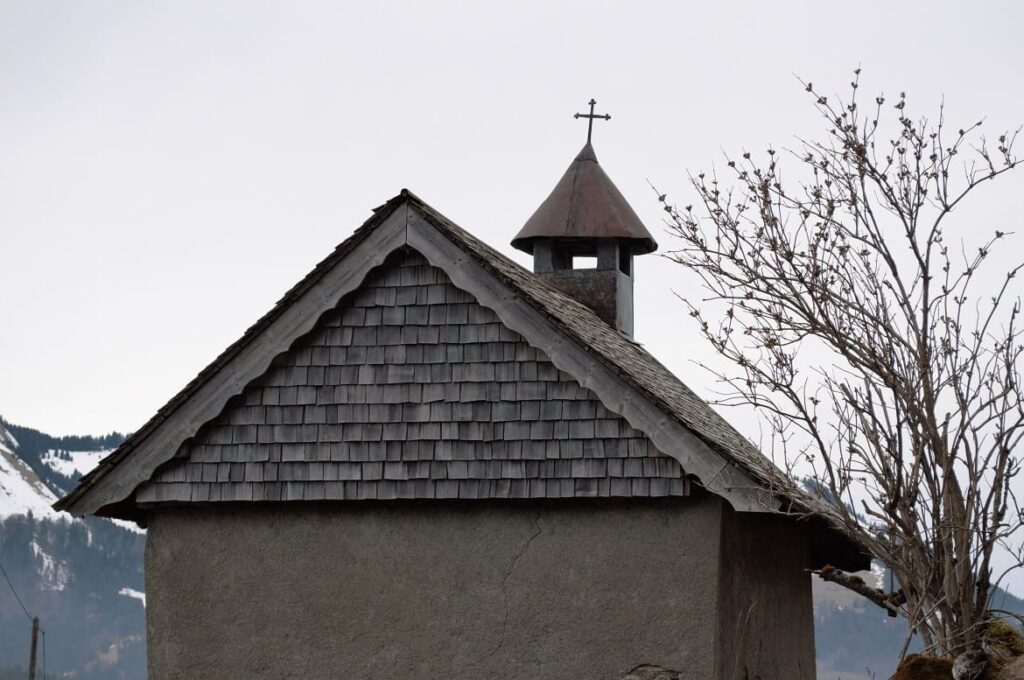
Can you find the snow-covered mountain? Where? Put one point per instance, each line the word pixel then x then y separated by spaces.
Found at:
pixel 21 490
pixel 83 578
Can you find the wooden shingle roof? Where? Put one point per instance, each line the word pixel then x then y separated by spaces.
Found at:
pixel 628 380
pixel 410 389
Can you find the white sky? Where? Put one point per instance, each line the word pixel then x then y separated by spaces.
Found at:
pixel 168 170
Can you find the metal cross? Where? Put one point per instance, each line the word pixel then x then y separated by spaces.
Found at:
pixel 590 118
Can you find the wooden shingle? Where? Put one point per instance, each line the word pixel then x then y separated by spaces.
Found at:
pixel 410 389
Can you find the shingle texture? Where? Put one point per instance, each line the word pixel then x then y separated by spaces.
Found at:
pixel 410 389
pixel 629 359
pixel 638 367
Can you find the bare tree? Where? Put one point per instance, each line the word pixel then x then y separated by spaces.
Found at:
pixel 880 349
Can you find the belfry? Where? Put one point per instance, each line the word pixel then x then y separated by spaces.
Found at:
pixel 586 216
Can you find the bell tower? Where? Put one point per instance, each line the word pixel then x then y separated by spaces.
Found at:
pixel 586 219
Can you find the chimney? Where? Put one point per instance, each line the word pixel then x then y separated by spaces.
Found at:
pixel 583 238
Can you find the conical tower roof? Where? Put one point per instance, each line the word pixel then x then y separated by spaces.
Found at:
pixel 585 204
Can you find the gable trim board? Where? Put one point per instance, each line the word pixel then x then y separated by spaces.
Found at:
pixel 706 447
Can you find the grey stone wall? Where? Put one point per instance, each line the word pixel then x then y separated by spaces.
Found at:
pixel 533 590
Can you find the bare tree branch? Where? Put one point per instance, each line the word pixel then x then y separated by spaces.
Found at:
pixel 883 355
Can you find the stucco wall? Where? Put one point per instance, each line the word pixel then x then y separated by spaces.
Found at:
pixel 566 591
pixel 766 615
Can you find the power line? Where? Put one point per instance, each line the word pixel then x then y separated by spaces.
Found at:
pixel 15 592
pixel 29 615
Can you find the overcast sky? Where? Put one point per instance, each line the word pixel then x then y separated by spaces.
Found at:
pixel 168 170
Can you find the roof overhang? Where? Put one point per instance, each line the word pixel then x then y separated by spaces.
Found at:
pixel 585 205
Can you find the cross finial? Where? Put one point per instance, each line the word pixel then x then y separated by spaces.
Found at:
pixel 590 118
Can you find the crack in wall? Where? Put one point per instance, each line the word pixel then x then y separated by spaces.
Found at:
pixel 504 589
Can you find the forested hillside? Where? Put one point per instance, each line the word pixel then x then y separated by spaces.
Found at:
pixel 853 636
pixel 83 579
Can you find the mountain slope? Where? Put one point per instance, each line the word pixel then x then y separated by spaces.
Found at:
pixel 22 492
pixel 81 577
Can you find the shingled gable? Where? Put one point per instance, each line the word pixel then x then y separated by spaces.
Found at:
pixel 626 379
pixel 410 389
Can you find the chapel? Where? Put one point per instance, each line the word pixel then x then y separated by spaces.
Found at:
pixel 428 462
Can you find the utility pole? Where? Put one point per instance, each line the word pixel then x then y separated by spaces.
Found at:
pixel 35 642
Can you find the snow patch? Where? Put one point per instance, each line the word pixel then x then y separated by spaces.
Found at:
pixel 131 592
pixel 8 439
pixel 73 464
pixel 54 573
pixel 125 524
pixel 878 571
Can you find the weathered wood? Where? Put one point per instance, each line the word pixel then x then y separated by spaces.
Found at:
pixel 485 437
pixel 230 379
pixel 667 434
pixel 529 357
